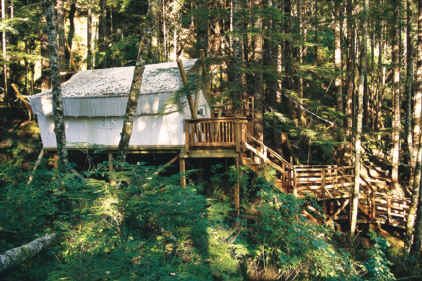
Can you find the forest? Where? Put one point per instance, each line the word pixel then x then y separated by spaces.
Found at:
pixel 324 86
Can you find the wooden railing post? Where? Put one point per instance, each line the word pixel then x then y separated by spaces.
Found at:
pixel 237 134
pixel 373 206
pixel 187 134
pixel 294 181
pixel 182 171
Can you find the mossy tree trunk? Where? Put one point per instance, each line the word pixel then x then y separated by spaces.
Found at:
pixel 135 88
pixel 59 126
pixel 359 117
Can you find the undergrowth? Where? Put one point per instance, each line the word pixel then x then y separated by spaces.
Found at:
pixel 131 224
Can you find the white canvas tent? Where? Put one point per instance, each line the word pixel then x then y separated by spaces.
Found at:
pixel 95 103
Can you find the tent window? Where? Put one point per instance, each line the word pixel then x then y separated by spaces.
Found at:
pixel 201 111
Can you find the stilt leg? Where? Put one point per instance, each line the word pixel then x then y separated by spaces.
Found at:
pixel 182 169
pixel 110 166
pixel 237 187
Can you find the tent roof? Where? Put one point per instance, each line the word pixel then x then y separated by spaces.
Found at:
pixel 116 81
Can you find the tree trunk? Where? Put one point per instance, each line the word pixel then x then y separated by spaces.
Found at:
pixel 415 212
pixel 301 50
pixel 350 85
pixel 380 73
pixel 163 8
pixel 59 126
pixel 154 6
pixel 135 89
pixel 315 20
pixel 201 26
pixel 288 59
pixel 19 254
pixel 60 32
pixel 236 55
pixel 259 80
pixel 362 74
pixel 415 112
pixel 338 54
pixel 89 37
pixel 68 49
pixel 396 97
pixel 4 54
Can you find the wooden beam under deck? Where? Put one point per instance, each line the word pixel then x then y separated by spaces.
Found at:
pixel 133 149
pixel 209 153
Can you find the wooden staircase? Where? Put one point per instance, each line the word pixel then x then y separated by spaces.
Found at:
pixel 331 185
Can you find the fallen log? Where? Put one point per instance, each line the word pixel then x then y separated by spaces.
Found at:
pixel 21 253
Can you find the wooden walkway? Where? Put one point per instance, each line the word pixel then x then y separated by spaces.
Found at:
pixel 331 185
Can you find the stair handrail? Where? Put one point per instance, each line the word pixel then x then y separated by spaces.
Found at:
pixel 269 150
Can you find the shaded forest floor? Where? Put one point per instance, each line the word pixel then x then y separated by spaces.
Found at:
pixel 132 225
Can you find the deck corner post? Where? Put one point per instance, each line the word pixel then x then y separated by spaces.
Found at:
pixel 237 135
pixel 110 161
pixel 182 168
pixel 237 187
pixel 187 137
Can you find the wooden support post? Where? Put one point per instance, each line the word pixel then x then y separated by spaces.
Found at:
pixel 182 170
pixel 110 161
pixel 237 187
pixel 237 135
pixel 110 167
pixel 294 182
pixel 55 161
pixel 373 207
pixel 187 136
pixel 324 205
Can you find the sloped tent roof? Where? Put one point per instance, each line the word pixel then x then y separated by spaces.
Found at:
pixel 104 92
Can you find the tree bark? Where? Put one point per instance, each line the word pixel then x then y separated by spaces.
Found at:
pixel 415 212
pixel 192 105
pixel 362 74
pixel 259 80
pixel 301 50
pixel 236 55
pixel 59 126
pixel 338 54
pixel 68 49
pixel 135 89
pixel 350 84
pixel 19 254
pixel 89 37
pixel 201 26
pixel 396 97
pixel 60 32
pixel 414 114
pixel 4 54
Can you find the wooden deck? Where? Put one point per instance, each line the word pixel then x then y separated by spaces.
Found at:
pixel 332 185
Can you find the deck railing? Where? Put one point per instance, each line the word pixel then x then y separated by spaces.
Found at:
pixel 324 181
pixel 215 132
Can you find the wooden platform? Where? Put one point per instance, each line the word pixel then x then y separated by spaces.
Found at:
pixel 332 185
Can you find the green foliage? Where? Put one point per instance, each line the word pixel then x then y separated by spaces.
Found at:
pixel 131 224
pixel 285 240
pixel 378 265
